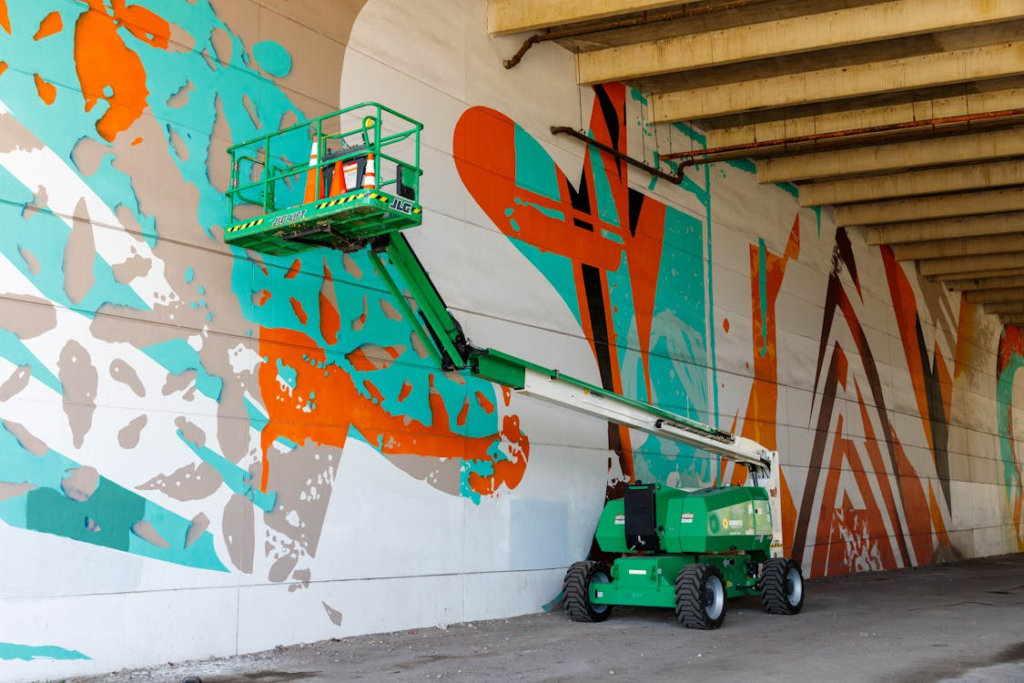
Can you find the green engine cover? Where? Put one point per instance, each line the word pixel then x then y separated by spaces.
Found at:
pixel 711 520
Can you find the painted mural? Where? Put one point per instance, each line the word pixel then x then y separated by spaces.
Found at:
pixel 176 416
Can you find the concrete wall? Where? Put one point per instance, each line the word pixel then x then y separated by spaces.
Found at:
pixel 205 451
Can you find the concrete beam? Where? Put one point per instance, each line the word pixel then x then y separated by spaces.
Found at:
pixel 954 268
pixel 914 183
pixel 1001 308
pixel 1012 319
pixel 1000 144
pixel 1005 282
pixel 955 281
pixel 996 295
pixel 857 80
pixel 962 247
pixel 900 210
pixel 839 28
pixel 946 228
pixel 514 16
pixel 871 117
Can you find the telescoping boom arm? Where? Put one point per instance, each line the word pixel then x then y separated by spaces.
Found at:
pixel 445 341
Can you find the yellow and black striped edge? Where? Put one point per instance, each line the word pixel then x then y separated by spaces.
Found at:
pixel 243 226
pixel 352 198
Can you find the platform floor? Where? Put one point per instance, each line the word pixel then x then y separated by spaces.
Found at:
pixel 958 622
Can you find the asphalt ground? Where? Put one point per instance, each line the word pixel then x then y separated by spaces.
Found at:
pixel 959 622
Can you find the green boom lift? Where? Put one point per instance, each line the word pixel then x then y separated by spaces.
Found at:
pixel 685 549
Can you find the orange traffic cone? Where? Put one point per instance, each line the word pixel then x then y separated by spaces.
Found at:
pixel 369 175
pixel 312 191
pixel 338 180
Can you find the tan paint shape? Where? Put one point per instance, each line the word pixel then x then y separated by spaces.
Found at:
pixel 128 437
pixel 87 154
pixel 28 441
pixel 80 483
pixel 180 98
pixel 191 432
pixel 390 311
pixel 302 578
pixel 239 534
pixel 185 382
pixel 121 371
pixel 10 490
pixel 40 200
pixel 16 382
pixel 79 379
pixel 443 475
pixel 191 482
pixel 31 262
pixel 196 528
pixel 351 267
pixel 14 136
pixel 334 615
pixel 80 256
pixel 148 533
pixel 24 321
pixel 135 266
pixel 303 481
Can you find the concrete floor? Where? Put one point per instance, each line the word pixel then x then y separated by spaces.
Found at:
pixel 961 622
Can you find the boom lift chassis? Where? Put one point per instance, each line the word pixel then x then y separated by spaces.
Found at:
pixel 689 550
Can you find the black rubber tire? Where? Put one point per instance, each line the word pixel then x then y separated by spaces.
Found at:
pixel 700 597
pixel 577 591
pixel 782 586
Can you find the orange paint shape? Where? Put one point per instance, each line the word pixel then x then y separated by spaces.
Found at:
pixel 3 67
pixel 395 434
pixel 725 325
pixel 51 24
pixel 363 363
pixel 299 311
pixel 136 141
pixel 330 318
pixel 47 91
pixel 463 414
pixel 484 403
pixel 107 69
pixel 406 390
pixel 293 270
pixel 261 297
pixel 5 19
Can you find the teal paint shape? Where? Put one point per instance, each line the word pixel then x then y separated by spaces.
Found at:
pixel 550 213
pixel 745 165
pixel 1004 417
pixel 112 508
pixel 190 275
pixel 15 351
pixel 481 468
pixel 607 210
pixel 637 96
pixel 817 215
pixel 235 478
pixel 788 188
pixel 272 58
pixel 177 356
pixel 558 271
pixel 28 653
pixel 535 170
pixel 257 418
pixel 174 529
pixel 288 375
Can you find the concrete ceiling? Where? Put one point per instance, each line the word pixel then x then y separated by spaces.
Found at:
pixel 905 115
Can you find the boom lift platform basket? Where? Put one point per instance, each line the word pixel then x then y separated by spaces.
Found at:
pixel 361 181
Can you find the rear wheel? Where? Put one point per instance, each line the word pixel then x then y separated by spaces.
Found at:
pixel 577 591
pixel 700 597
pixel 782 586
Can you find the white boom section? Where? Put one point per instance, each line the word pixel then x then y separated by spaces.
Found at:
pixel 625 412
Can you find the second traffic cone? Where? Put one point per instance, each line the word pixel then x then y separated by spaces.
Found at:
pixel 312 191
pixel 369 175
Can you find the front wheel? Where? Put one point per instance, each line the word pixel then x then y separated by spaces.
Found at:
pixel 577 591
pixel 782 586
pixel 700 597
